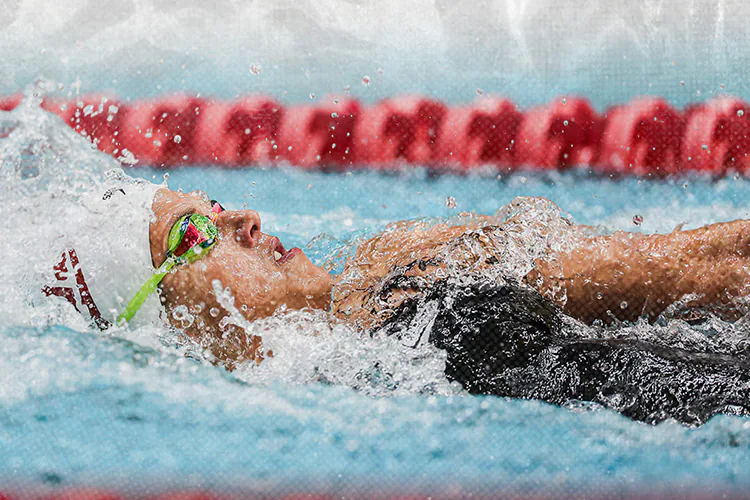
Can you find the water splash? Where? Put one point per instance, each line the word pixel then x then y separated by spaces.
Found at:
pixel 310 346
pixel 39 153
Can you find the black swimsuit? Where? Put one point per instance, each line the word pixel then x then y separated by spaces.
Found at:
pixel 509 341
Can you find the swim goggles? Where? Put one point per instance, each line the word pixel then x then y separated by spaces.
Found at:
pixel 191 238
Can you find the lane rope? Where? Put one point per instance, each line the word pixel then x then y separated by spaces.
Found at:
pixel 646 137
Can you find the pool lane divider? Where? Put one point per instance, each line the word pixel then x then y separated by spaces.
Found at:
pixel 645 137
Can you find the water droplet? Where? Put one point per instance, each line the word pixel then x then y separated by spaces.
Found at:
pixel 740 112
pixel 366 81
pixel 336 101
pixel 682 83
pixel 599 296
pixel 334 115
pixel 480 91
pixel 637 220
pixel 450 202
pixel 564 101
pixel 177 139
pixel 214 312
pixel 623 305
pixel 256 69
pixel 704 146
pixel 312 96
pixel 179 312
pixel 565 123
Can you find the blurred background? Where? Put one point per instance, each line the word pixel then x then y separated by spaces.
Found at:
pixel 528 51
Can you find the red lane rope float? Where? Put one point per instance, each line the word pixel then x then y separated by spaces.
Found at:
pixel 310 136
pixel 98 117
pixel 644 137
pixel 237 133
pixel 162 131
pixel 562 134
pixel 399 130
pixel 477 134
pixel 10 102
pixel 717 137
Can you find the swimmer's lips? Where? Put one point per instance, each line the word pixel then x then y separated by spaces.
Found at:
pixel 281 255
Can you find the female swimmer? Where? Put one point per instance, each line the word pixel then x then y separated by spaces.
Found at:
pixel 446 284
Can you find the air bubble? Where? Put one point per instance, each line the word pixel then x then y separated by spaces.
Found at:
pixel 740 112
pixel 214 312
pixel 256 69
pixel 623 305
pixel 177 139
pixel 637 220
pixel 366 81
pixel 450 202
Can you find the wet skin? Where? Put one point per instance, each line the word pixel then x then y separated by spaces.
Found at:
pixel 243 260
pixel 621 276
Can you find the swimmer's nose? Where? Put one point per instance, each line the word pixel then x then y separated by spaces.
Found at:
pixel 242 226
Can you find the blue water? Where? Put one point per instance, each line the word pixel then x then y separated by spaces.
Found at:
pixel 78 407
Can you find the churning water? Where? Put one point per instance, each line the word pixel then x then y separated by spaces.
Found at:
pixel 332 408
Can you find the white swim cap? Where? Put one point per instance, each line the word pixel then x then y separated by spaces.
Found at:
pixel 104 253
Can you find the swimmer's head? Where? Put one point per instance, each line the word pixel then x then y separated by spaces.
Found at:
pixel 260 273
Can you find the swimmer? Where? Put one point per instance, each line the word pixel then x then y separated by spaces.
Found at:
pixel 504 336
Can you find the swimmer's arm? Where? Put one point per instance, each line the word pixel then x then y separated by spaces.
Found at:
pixel 629 275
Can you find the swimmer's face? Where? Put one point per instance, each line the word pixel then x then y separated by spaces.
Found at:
pixel 245 260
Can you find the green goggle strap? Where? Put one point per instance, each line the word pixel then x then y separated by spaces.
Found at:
pixel 147 289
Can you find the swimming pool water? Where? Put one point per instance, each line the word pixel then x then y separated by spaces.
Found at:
pixel 82 407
